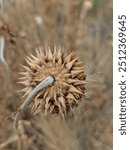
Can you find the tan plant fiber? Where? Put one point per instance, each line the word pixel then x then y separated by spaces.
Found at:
pixel 68 88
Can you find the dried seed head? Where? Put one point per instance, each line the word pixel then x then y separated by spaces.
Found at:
pixel 69 86
pixel 8 33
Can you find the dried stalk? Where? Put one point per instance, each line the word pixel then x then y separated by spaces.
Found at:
pixel 44 83
pixel 2 58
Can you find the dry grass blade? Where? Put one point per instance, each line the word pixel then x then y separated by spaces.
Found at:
pixel 9 141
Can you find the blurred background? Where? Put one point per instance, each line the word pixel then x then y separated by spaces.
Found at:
pixel 81 25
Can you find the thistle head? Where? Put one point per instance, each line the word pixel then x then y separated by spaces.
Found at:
pixel 68 88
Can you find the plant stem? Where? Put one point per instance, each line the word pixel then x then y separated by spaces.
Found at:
pixel 44 83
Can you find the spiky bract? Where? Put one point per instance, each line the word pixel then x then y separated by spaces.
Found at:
pixel 69 86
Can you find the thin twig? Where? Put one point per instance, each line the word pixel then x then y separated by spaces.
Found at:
pixel 2 3
pixel 2 58
pixel 2 9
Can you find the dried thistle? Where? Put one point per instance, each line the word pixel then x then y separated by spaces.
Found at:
pixel 68 88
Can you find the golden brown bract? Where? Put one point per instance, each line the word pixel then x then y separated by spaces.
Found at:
pixel 69 86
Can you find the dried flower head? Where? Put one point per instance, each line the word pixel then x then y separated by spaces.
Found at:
pixel 69 85
pixel 8 33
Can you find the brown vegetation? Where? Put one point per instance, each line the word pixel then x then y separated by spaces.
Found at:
pixel 82 25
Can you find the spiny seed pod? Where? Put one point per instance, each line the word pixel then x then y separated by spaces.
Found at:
pixel 69 85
